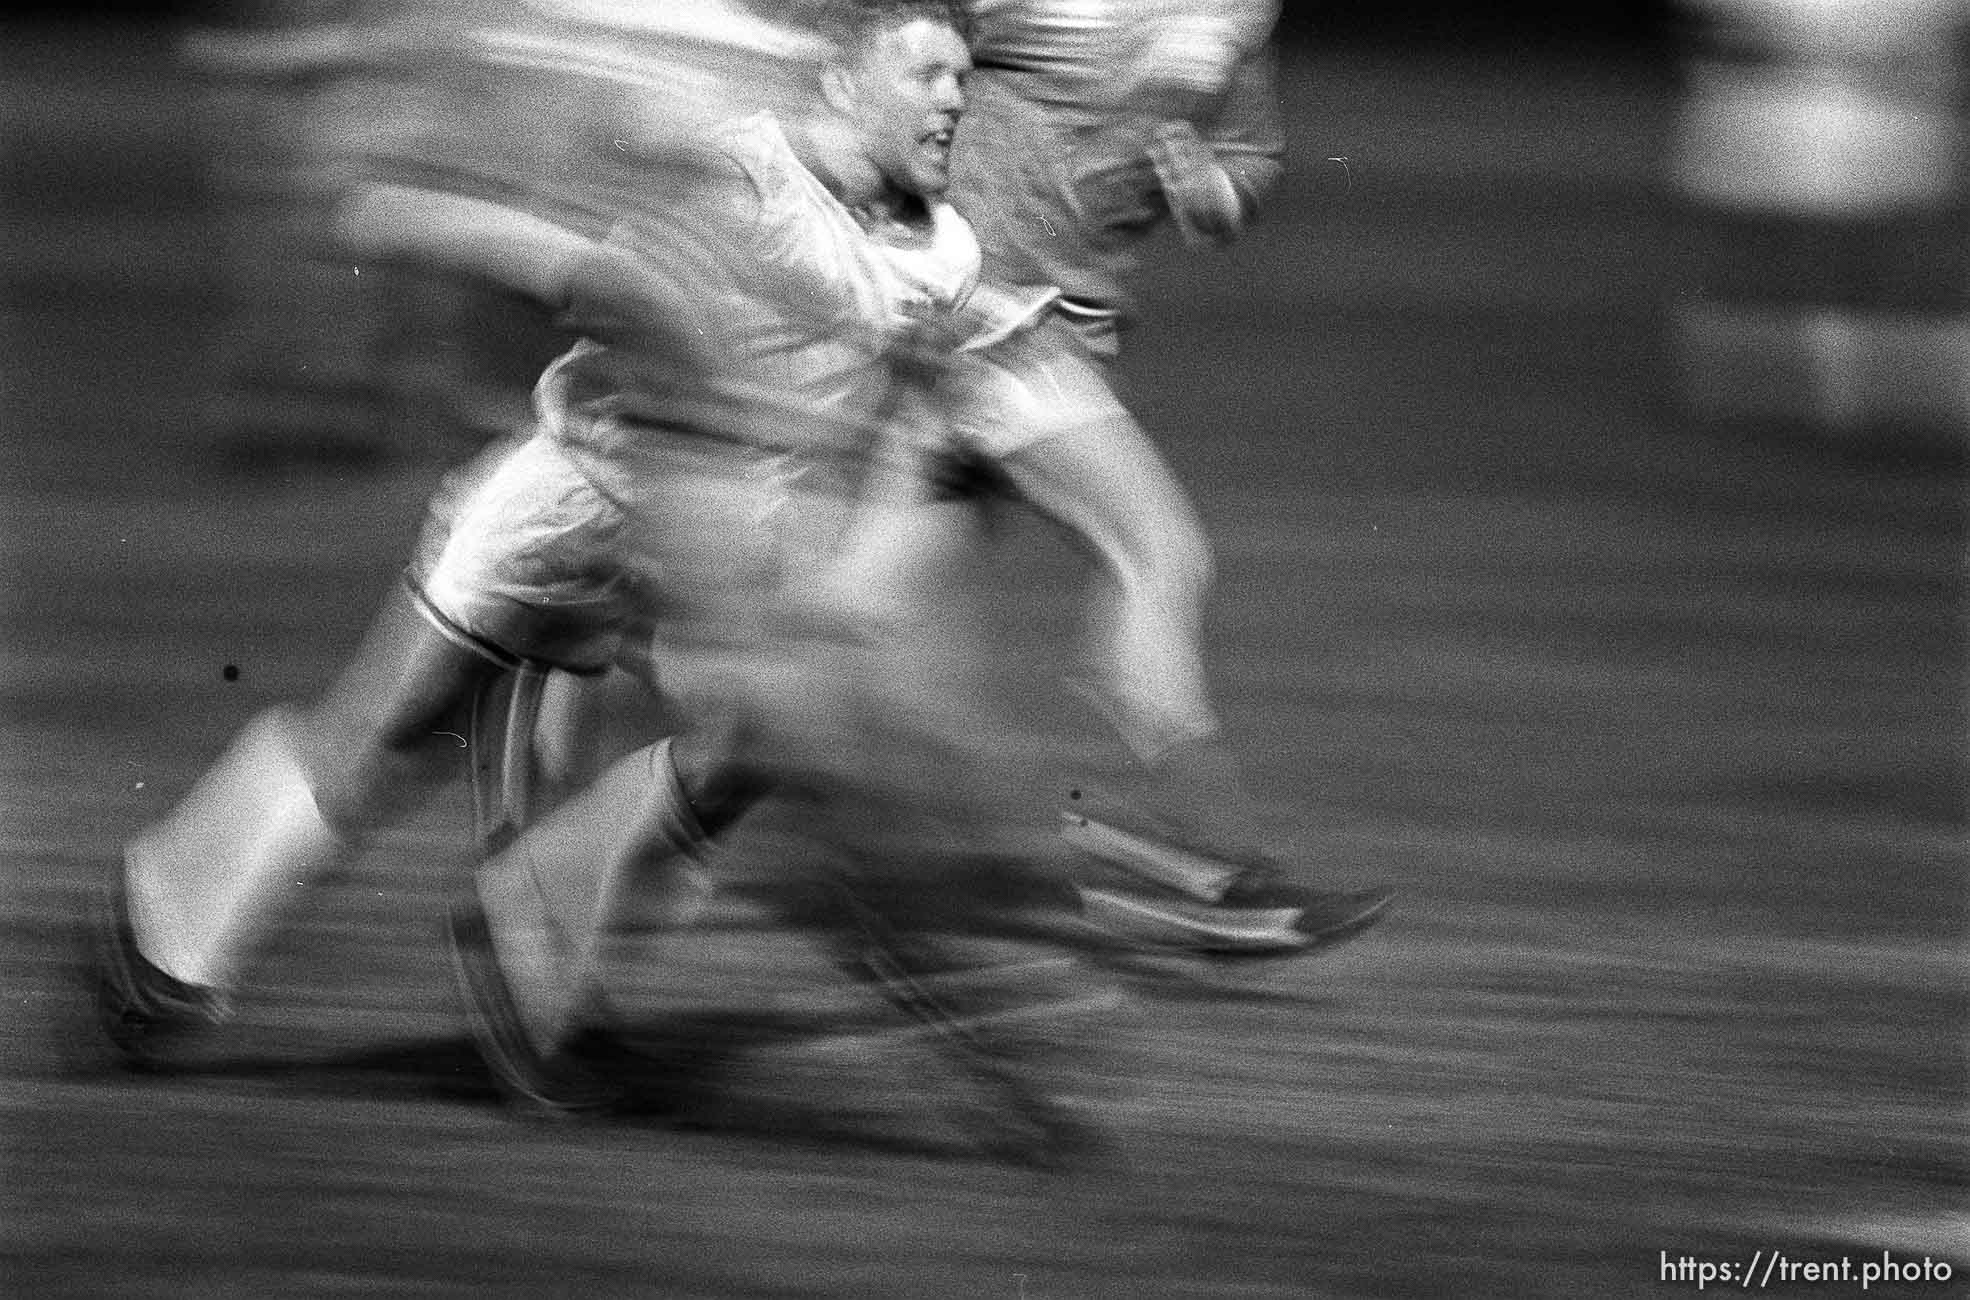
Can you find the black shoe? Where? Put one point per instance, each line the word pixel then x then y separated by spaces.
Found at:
pixel 562 1083
pixel 1162 922
pixel 143 1011
pixel 1328 916
pixel 1323 916
pixel 1184 900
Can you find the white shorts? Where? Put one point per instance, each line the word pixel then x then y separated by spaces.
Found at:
pixel 529 560
pixel 522 556
pixel 1029 387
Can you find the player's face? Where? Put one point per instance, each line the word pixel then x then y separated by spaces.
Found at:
pixel 908 93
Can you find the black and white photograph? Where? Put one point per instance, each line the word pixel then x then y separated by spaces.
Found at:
pixel 1023 649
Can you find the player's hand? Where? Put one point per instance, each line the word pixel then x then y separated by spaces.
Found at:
pixel 1202 198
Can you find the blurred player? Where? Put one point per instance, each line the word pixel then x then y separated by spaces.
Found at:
pixel 1093 124
pixel 837 724
pixel 739 320
pixel 1090 127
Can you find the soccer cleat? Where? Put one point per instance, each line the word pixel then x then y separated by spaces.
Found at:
pixel 142 1010
pixel 1212 906
pixel 1150 857
pixel 1180 925
pixel 1325 916
pixel 1318 919
pixel 552 1084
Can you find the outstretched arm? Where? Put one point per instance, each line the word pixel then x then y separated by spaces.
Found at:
pixel 480 238
pixel 611 282
pixel 1246 136
pixel 1219 147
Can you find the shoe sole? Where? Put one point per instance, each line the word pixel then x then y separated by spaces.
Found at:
pixel 1257 932
pixel 1221 931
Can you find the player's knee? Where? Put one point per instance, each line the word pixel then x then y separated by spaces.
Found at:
pixel 344 780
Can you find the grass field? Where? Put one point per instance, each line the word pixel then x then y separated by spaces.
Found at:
pixel 1657 725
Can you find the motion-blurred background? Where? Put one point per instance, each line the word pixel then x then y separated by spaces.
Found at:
pixel 1582 433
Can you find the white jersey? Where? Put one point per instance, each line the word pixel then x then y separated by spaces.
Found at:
pixel 794 309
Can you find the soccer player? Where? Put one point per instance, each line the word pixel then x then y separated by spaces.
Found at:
pixel 1092 124
pixel 527 944
pixel 742 320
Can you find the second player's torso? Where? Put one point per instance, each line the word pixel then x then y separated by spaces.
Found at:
pixel 1051 161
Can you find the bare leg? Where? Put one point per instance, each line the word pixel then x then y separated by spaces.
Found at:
pixel 1106 483
pixel 548 896
pixel 294 796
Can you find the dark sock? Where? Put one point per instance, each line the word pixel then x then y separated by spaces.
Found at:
pixel 1195 784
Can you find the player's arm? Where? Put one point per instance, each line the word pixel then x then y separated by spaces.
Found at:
pixel 614 288
pixel 453 233
pixel 1216 143
pixel 676 278
pixel 1216 169
pixel 1246 137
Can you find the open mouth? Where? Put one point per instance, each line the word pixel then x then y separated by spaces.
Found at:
pixel 939 139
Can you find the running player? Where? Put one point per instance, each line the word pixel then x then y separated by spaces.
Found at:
pixel 1093 124
pixel 527 944
pixel 742 319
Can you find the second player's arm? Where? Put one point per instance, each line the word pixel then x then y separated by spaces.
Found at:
pixel 607 283
pixel 453 233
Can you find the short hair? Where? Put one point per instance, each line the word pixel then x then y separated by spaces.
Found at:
pixel 852 23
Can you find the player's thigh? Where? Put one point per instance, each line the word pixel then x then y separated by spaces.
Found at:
pixel 531 563
pixel 1043 408
pixel 1096 471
